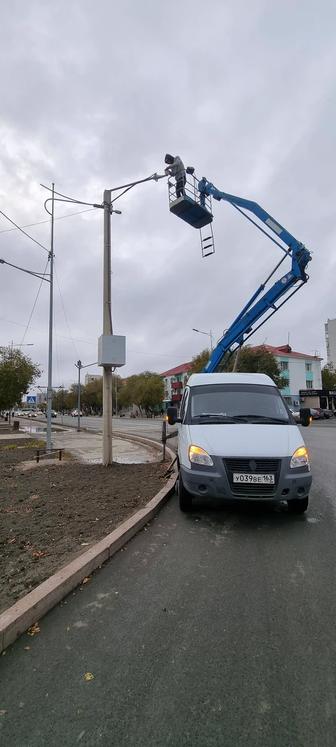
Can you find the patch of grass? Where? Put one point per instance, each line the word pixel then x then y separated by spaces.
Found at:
pixel 30 445
pixel 34 445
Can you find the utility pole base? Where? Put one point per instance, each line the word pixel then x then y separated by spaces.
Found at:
pixel 107 416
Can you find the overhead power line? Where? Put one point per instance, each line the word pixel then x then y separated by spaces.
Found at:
pixel 34 304
pixel 40 222
pixel 65 315
pixel 24 232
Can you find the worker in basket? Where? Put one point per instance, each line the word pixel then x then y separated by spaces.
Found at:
pixel 176 168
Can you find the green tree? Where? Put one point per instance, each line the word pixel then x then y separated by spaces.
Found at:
pixel 17 374
pixel 145 390
pixel 258 360
pixel 250 360
pixel 92 396
pixel 328 377
pixel 199 361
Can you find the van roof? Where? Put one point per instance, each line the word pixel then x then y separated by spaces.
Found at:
pixel 202 379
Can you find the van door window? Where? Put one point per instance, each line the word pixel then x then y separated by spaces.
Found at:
pixel 184 404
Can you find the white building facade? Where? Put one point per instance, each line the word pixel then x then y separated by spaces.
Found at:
pixel 174 381
pixel 330 336
pixel 92 377
pixel 302 373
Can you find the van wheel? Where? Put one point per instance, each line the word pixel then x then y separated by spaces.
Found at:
pixel 185 498
pixel 298 505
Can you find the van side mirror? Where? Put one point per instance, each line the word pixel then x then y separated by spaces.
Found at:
pixel 172 415
pixel 305 416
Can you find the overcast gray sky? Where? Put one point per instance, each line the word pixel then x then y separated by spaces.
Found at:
pixel 92 96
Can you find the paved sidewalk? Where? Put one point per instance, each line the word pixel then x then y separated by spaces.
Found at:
pixel 87 446
pixel 12 436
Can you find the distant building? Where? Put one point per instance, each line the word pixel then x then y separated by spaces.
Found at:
pixel 174 381
pixel 92 377
pixel 330 335
pixel 41 398
pixel 302 373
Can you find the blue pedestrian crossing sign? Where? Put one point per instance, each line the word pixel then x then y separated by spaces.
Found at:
pixel 31 399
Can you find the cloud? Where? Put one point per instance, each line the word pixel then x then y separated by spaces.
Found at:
pixel 94 96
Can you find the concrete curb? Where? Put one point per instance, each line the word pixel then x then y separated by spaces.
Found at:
pixel 157 445
pixel 24 613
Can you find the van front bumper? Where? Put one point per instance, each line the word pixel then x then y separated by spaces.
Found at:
pixel 216 482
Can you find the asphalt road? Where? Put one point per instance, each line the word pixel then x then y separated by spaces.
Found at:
pixel 216 628
pixel 147 427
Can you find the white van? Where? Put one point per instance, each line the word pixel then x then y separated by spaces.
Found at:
pixel 237 439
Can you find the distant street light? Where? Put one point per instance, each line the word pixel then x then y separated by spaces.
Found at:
pixel 79 365
pixel 208 334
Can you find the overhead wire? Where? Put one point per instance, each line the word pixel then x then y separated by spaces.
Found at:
pixel 40 222
pixel 65 314
pixel 24 232
pixel 34 304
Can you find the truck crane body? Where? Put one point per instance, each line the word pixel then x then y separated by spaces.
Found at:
pixel 236 436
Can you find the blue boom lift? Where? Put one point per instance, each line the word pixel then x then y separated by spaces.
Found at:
pixel 195 207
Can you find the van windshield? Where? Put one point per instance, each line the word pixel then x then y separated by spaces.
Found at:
pixel 237 403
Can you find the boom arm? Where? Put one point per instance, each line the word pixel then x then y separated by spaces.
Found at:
pixel 245 323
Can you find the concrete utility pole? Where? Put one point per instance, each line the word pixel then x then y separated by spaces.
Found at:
pixel 107 330
pixel 51 313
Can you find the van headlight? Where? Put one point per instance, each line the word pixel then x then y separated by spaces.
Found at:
pixel 300 458
pixel 197 455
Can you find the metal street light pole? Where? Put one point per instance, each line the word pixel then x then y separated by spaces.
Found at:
pixel 80 365
pixel 208 334
pixel 51 313
pixel 107 330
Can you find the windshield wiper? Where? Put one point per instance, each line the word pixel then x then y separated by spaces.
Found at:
pixel 218 416
pixel 264 418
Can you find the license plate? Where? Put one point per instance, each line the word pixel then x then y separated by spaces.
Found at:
pixel 243 477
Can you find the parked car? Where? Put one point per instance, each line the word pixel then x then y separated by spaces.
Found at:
pixel 315 413
pixel 327 413
pixel 295 413
pixel 74 414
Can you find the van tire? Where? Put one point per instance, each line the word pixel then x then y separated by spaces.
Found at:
pixel 185 498
pixel 298 505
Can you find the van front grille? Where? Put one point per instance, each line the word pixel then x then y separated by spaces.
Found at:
pixel 253 466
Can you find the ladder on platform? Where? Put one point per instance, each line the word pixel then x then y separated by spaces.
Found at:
pixel 207 240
